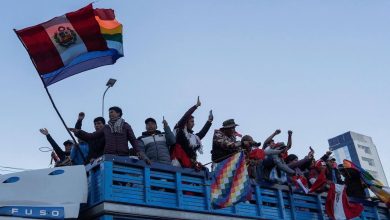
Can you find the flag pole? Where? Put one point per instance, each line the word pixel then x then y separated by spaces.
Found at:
pixel 52 102
pixel 58 113
pixel 63 122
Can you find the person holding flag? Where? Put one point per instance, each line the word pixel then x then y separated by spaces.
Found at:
pixel 376 186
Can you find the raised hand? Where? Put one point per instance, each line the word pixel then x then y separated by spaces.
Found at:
pixel 165 123
pixel 311 153
pixel 277 131
pixel 81 116
pixel 289 132
pixel 148 161
pixel 211 116
pixel 44 131
pixel 198 103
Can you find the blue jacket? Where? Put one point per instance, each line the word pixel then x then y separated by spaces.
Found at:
pixel 75 155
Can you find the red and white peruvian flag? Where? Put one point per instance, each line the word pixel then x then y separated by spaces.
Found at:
pixel 337 205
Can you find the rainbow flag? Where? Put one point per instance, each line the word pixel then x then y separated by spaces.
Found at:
pixel 72 43
pixel 376 186
pixel 110 28
pixel 230 183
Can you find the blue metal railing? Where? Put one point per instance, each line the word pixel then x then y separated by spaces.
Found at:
pixel 122 180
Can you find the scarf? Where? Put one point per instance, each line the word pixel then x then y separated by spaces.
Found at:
pixel 116 125
pixel 194 141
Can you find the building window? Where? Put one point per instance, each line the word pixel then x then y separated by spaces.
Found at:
pixel 369 161
pixel 367 150
pixel 341 153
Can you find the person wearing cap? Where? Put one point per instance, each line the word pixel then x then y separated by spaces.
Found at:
pixel 318 174
pixel 225 144
pixel 333 173
pixel 184 153
pixel 274 165
pixel 60 153
pixel 301 167
pixel 156 144
pixel 71 153
pixel 317 177
pixel 117 133
pixel 255 155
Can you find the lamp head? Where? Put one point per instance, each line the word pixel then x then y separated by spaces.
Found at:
pixel 111 82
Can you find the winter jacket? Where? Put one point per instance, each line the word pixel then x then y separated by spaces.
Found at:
pixel 75 154
pixel 281 165
pixel 300 163
pixel 96 146
pixel 60 153
pixel 115 143
pixel 156 146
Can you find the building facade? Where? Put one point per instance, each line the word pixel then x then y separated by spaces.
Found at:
pixel 361 150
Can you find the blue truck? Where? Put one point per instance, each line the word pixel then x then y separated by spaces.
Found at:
pixel 122 188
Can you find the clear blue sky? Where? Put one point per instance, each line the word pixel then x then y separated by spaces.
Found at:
pixel 320 68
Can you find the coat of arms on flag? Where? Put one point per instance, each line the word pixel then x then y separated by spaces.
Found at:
pixel 337 206
pixel 231 183
pixel 73 43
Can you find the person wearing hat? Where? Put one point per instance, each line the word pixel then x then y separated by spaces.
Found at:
pixel 156 144
pixel 225 143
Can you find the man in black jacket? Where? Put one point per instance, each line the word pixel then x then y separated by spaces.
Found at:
pixel 62 155
pixel 96 146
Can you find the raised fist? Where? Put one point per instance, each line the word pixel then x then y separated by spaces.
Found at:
pixel 44 131
pixel 81 116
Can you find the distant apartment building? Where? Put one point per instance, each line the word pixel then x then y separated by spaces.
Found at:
pixel 359 149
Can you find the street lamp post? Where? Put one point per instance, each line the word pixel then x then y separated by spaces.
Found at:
pixel 110 83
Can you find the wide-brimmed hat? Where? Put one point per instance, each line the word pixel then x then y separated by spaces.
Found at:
pixel 229 124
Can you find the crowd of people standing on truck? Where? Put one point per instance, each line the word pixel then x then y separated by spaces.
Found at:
pixel 180 146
